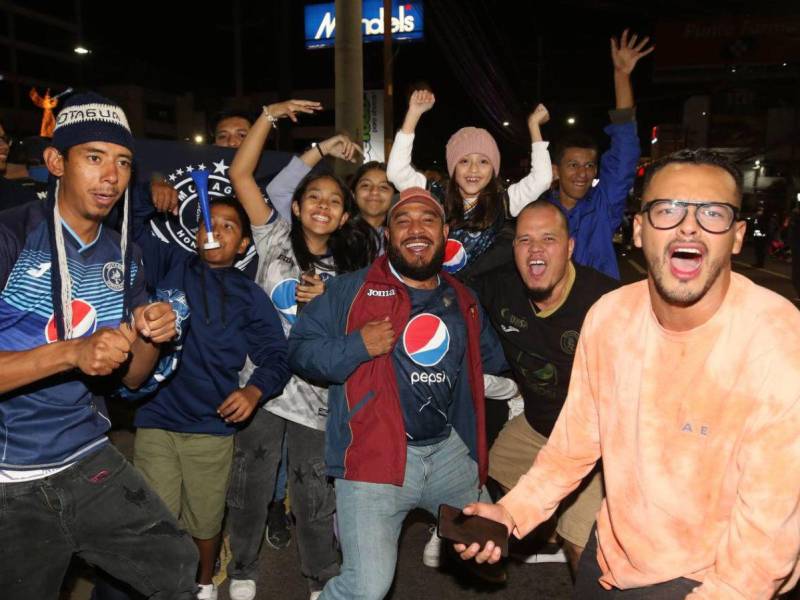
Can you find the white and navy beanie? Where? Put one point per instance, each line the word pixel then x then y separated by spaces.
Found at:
pixel 89 117
pixel 86 117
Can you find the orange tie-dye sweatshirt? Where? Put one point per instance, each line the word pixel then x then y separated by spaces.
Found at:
pixel 699 434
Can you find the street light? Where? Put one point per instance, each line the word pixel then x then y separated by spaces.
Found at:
pixel 199 139
pixel 79 49
pixel 506 123
pixel 571 121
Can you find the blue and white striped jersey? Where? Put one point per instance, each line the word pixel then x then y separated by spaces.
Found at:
pixel 59 419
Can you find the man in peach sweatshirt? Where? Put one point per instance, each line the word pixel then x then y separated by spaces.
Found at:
pixel 687 385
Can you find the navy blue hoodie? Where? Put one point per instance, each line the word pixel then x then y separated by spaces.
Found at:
pixel 231 318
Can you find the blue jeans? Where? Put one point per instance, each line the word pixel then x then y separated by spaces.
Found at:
pixel 102 510
pixel 371 515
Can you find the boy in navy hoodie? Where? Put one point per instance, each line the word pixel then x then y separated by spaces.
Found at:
pixel 184 441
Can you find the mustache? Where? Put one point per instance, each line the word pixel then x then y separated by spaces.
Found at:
pixel 417 238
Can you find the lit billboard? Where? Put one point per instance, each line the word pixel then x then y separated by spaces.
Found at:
pixel 407 22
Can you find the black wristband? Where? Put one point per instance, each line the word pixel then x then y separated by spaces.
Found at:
pixel 321 153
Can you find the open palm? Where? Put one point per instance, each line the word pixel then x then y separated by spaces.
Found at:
pixel 626 52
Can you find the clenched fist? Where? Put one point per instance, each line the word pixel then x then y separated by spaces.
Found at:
pixel 421 101
pixel 155 322
pixel 102 352
pixel 378 337
pixel 539 116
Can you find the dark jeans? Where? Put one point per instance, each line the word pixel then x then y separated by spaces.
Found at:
pixel 102 510
pixel 255 463
pixel 313 504
pixel 256 454
pixel 587 586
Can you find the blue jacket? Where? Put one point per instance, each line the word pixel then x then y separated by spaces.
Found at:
pixel 595 218
pixel 231 319
pixel 365 438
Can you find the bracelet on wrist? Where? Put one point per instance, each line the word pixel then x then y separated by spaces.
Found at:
pixel 270 118
pixel 321 153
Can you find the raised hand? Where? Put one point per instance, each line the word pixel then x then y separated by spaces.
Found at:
pixel 378 337
pixel 421 101
pixel 341 146
pixel 290 108
pixel 626 52
pixel 539 116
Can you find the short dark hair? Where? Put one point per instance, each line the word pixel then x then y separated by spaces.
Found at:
pixel 232 202
pixel 228 114
pixel 543 203
pixel 577 139
pixel 698 157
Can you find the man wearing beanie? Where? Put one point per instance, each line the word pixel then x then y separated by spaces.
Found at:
pixel 75 325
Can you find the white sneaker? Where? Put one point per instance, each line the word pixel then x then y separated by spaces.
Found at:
pixel 242 589
pixel 207 592
pixel 433 549
pixel 546 557
pixel 315 595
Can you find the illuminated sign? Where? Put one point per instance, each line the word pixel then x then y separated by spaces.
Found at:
pixel 407 22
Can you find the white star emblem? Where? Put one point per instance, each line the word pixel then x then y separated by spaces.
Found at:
pixel 172 177
pixel 201 166
pixel 220 167
pixel 179 171
pixel 189 168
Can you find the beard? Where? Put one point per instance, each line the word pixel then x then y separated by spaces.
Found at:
pixel 415 271
pixel 679 295
pixel 540 295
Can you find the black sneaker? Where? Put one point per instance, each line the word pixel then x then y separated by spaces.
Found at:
pixel 278 534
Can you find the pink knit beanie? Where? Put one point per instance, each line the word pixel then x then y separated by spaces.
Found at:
pixel 468 140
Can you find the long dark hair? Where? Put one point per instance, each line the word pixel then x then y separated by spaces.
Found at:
pixel 352 246
pixel 372 165
pixel 490 207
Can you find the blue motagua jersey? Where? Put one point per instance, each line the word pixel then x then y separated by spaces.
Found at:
pixel 59 419
pixel 428 359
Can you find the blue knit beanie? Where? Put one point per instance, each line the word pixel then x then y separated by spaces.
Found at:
pixel 89 117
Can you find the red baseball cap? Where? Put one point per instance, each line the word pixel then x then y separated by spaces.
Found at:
pixel 416 194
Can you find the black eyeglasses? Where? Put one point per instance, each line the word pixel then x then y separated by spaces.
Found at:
pixel 713 217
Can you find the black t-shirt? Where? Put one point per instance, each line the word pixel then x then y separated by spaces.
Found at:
pixel 540 350
pixel 428 360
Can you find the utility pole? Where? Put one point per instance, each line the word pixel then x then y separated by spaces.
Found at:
pixel 237 49
pixel 349 75
pixel 388 80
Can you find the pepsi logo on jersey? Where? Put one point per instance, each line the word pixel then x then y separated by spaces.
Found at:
pixel 84 321
pixel 284 299
pixel 426 340
pixel 455 256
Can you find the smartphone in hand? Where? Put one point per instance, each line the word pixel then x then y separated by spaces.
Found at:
pixel 454 525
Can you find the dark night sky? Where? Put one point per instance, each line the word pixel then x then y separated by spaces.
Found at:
pixel 180 46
